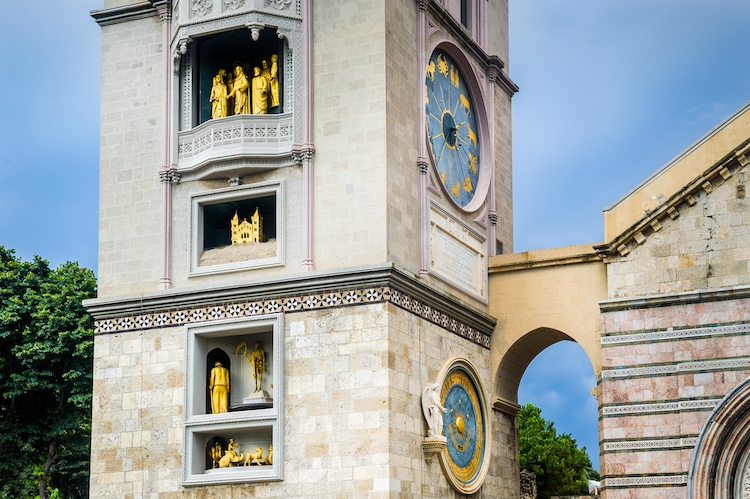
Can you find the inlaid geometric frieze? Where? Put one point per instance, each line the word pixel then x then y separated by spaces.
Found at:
pixel 657 407
pixel 677 368
pixel 292 304
pixel 673 334
pixel 645 481
pixel 650 444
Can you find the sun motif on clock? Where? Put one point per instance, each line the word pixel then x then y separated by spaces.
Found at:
pixel 453 135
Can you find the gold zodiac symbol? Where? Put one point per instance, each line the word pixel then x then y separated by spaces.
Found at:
pixel 467 185
pixel 454 77
pixel 442 65
pixel 464 102
pixel 473 162
pixel 431 70
pixel 455 189
pixel 472 136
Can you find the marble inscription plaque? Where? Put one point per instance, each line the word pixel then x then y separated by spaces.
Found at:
pixel 457 253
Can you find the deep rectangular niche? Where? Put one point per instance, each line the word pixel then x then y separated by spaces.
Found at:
pixel 253 429
pixel 237 229
pixel 223 52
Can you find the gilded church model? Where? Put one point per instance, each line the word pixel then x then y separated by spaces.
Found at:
pixel 247 232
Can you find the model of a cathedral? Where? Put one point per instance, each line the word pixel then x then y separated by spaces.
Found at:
pixel 247 232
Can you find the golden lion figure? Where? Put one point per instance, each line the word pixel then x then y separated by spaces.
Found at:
pixel 255 458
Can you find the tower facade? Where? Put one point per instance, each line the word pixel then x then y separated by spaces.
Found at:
pixel 373 140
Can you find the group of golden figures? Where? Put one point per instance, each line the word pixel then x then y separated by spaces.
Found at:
pixel 238 95
pixel 230 457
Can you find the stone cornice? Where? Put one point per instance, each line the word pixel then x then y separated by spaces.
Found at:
pixel 704 184
pixel 492 64
pixel 543 258
pixel 105 17
pixel 297 293
pixel 668 300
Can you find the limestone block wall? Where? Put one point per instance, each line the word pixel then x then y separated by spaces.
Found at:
pixel 664 368
pixel 706 247
pixel 350 133
pixel 503 167
pixel 130 190
pixel 353 422
pixel 497 26
pixel 402 110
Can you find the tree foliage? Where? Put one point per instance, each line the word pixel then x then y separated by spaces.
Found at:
pixel 559 465
pixel 46 355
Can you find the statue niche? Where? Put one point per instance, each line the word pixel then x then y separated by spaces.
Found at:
pixel 240 76
pixel 217 382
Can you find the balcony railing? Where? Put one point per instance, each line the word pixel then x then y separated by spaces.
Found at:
pixel 264 135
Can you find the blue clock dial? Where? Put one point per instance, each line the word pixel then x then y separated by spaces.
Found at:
pixel 464 426
pixel 452 128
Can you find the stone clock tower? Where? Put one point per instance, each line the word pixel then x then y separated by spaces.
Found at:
pixel 303 195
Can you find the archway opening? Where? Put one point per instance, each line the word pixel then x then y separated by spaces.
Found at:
pixel 550 370
pixel 559 380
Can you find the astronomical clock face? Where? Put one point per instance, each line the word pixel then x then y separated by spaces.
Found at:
pixel 464 427
pixel 452 128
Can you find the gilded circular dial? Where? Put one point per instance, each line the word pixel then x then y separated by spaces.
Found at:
pixel 463 425
pixel 452 128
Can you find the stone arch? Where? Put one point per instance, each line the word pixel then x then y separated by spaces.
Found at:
pixel 720 466
pixel 518 357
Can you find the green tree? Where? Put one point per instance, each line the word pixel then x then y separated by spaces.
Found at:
pixel 559 465
pixel 46 356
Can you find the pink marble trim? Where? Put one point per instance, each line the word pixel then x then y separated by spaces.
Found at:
pixel 165 281
pixel 308 136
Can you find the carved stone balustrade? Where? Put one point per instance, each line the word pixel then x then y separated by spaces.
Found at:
pixel 251 135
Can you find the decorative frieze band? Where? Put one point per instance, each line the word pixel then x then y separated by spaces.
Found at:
pixel 673 334
pixel 408 296
pixel 645 481
pixel 650 444
pixel 672 369
pixel 656 407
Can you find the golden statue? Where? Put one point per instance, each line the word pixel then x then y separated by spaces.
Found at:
pixel 274 81
pixel 265 71
pixel 218 98
pixel 239 92
pixel 257 361
pixel 219 387
pixel 230 87
pixel 269 459
pixel 215 455
pixel 255 458
pixel 260 92
pixel 230 456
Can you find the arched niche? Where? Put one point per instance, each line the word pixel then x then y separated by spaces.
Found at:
pixel 209 445
pixel 720 466
pixel 214 356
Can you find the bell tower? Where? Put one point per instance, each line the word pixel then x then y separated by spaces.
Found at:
pixel 366 145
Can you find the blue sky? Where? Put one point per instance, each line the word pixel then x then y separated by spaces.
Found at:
pixel 610 91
